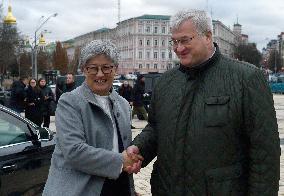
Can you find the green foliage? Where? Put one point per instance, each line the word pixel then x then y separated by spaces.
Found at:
pixel 248 53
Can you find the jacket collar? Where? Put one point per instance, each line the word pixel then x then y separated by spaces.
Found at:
pixel 195 71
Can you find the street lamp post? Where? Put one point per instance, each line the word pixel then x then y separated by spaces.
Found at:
pixel 34 52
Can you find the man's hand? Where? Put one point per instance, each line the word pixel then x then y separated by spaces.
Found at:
pixel 132 160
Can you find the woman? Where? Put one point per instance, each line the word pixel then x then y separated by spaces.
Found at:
pixel 48 97
pixel 93 129
pixel 34 101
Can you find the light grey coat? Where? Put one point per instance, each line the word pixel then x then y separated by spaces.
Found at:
pixel 83 156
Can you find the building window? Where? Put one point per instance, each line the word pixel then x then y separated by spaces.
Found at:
pixel 140 66
pixel 155 55
pixel 148 66
pixel 163 42
pixel 163 30
pixel 140 55
pixel 163 55
pixel 148 55
pixel 170 55
pixel 140 42
pixel 148 29
pixel 155 29
pixel 156 42
pixel 155 66
pixel 148 42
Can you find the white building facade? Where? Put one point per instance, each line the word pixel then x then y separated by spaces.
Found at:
pixel 225 38
pixel 144 46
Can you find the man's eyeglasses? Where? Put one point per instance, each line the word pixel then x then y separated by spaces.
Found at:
pixel 184 41
pixel 106 69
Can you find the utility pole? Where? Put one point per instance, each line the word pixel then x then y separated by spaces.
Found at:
pixel 118 11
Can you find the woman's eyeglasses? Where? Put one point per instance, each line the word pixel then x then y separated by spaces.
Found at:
pixel 106 69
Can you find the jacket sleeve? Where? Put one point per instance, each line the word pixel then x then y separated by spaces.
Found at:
pixel 262 132
pixel 72 141
pixel 146 141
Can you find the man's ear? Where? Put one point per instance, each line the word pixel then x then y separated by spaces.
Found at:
pixel 209 36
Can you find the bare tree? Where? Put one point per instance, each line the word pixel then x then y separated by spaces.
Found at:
pixel 60 58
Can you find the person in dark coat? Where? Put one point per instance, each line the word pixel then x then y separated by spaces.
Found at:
pixel 126 91
pixel 48 97
pixel 212 124
pixel 18 94
pixel 68 86
pixel 138 93
pixel 34 103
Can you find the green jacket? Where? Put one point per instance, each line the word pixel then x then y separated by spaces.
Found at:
pixel 214 132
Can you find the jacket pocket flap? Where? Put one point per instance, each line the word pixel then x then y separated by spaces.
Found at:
pixel 224 173
pixel 220 100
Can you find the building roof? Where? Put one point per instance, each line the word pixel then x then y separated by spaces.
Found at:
pixel 154 17
pixel 102 30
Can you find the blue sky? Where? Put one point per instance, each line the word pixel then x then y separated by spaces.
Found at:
pixel 262 20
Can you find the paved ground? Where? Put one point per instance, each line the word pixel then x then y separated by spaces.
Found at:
pixel 142 179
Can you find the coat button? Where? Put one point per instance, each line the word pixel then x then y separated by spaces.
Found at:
pixel 117 114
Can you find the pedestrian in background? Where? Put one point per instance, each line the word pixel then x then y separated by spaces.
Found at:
pixel 48 97
pixel 138 96
pixel 212 123
pixel 34 103
pixel 18 94
pixel 126 91
pixel 93 129
pixel 67 86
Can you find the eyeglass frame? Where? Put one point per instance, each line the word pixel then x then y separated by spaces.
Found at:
pixel 183 41
pixel 95 68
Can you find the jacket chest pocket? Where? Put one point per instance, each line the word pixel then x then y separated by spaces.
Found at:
pixel 216 111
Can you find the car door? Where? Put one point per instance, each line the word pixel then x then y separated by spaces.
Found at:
pixel 24 164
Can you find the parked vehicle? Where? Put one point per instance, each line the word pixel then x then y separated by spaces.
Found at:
pixel 25 154
pixel 116 84
pixel 5 97
pixel 277 84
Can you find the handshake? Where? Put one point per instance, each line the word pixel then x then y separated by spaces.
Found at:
pixel 132 160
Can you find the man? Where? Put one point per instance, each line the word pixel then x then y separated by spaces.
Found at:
pixel 126 91
pixel 93 129
pixel 138 92
pixel 70 83
pixel 211 123
pixel 68 86
pixel 18 94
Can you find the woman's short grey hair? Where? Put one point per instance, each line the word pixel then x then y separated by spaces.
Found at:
pixel 201 20
pixel 98 47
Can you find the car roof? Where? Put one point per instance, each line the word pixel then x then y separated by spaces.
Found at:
pixel 17 115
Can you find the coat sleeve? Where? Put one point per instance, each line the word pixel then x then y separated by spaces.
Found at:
pixel 262 132
pixel 146 141
pixel 75 149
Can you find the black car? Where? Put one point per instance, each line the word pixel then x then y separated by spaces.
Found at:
pixel 25 154
pixel 5 97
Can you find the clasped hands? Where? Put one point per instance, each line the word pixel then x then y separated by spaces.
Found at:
pixel 132 160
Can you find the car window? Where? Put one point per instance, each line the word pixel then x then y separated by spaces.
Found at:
pixel 12 130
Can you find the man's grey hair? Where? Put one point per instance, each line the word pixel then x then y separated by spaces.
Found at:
pixel 201 20
pixel 98 47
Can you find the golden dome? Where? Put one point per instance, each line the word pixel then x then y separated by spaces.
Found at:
pixel 10 19
pixel 41 40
